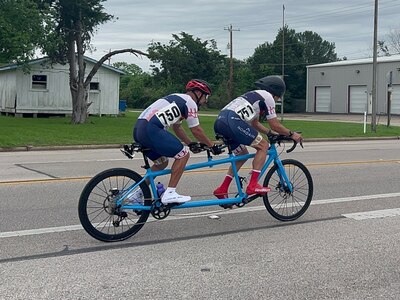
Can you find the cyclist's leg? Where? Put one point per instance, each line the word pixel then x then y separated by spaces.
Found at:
pixel 170 195
pixel 239 150
pixel 261 147
pixel 228 124
pixel 168 145
pixel 141 133
pixel 245 134
pixel 178 166
pixel 221 191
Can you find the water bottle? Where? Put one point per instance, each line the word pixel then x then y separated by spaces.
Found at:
pixel 160 189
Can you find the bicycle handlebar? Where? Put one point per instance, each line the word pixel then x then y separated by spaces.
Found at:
pixel 204 147
pixel 277 138
pixel 273 139
pixel 129 149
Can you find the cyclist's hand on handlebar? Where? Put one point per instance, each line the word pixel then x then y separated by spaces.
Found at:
pixel 297 137
pixel 195 147
pixel 216 149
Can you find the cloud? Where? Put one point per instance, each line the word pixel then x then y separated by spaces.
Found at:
pixel 348 24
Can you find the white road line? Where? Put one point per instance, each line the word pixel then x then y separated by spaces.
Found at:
pixel 40 231
pixel 376 214
pixel 348 199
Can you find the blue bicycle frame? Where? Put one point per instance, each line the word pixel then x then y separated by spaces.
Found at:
pixel 273 156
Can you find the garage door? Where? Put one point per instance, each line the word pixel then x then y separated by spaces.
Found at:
pixel 322 99
pixel 358 99
pixel 395 108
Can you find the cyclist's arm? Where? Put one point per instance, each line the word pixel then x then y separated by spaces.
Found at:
pixel 180 133
pixel 199 134
pixel 259 127
pixel 275 125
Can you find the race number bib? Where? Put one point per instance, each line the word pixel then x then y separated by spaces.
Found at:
pixel 169 115
pixel 246 112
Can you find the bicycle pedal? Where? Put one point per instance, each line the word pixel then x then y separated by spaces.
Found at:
pixel 227 206
pixel 251 198
pixel 171 205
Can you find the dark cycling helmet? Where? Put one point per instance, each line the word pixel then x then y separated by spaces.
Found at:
pixel 198 84
pixel 273 84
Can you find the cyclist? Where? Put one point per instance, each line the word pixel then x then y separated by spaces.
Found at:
pixel 239 123
pixel 151 131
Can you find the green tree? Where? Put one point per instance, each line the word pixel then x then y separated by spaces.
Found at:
pixel 129 69
pixel 21 29
pixel 301 49
pixel 184 58
pixel 70 29
pixel 136 85
pixel 315 49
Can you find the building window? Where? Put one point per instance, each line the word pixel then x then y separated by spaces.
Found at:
pixel 94 86
pixel 39 82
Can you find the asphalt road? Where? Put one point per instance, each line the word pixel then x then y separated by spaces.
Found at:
pixel 344 247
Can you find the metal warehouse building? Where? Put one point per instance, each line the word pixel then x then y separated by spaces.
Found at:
pixel 346 86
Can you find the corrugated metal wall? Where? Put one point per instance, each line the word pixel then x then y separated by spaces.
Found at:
pixel 56 96
pixel 341 78
pixel 8 91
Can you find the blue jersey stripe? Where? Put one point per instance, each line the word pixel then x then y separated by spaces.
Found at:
pixel 180 102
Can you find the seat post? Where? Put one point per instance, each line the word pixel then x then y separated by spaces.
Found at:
pixel 146 160
pixel 221 137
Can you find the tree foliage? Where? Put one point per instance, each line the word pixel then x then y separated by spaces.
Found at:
pixel 69 30
pixel 21 30
pixel 300 50
pixel 136 86
pixel 63 30
pixel 184 58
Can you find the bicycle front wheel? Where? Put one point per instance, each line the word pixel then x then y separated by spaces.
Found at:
pixel 98 212
pixel 280 202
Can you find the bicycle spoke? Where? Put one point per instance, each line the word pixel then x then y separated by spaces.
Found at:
pixel 99 213
pixel 281 203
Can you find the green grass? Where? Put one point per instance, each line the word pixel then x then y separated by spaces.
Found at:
pixel 58 131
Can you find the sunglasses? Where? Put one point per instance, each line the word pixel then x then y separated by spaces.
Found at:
pixel 206 96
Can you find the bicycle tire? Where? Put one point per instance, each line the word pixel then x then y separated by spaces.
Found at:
pixel 97 200
pixel 279 202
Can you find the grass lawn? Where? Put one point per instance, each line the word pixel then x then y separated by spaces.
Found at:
pixel 57 131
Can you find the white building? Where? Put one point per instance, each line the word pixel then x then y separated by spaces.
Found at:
pixel 346 86
pixel 45 89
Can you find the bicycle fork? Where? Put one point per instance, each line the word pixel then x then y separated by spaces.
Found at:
pixel 284 185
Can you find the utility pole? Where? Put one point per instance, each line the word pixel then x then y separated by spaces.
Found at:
pixel 389 97
pixel 283 54
pixel 374 69
pixel 230 87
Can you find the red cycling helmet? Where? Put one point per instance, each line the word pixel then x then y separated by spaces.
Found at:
pixel 198 84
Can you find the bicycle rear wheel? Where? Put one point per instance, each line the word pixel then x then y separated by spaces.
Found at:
pixel 98 212
pixel 280 202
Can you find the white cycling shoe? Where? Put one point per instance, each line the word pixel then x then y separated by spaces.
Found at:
pixel 173 197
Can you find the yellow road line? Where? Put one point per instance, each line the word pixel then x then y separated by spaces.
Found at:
pixel 202 171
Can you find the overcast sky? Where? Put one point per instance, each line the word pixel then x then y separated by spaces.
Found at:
pixel 348 24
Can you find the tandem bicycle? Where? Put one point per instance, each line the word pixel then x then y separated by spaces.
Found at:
pixel 107 214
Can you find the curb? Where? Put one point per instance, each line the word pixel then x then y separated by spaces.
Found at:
pixel 50 148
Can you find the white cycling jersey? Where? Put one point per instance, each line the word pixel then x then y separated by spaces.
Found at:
pixel 249 105
pixel 172 109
